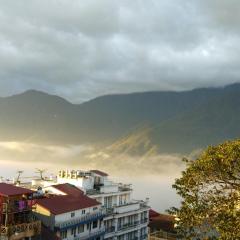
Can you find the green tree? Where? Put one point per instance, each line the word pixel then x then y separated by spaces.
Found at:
pixel 210 192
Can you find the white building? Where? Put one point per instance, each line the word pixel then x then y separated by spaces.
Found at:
pixel 71 214
pixel 126 219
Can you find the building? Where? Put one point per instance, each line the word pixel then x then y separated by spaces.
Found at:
pixel 69 213
pixel 16 218
pixel 161 226
pixel 126 219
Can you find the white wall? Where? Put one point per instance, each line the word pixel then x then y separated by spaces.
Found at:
pixel 84 183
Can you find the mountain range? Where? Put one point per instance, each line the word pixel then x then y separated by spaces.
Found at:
pixel 145 123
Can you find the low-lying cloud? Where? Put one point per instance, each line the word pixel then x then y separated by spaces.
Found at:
pixel 86 157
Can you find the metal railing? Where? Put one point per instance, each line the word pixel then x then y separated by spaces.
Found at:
pixel 25 229
pixel 162 235
pixel 90 236
pixel 78 221
pixel 114 209
pixel 110 229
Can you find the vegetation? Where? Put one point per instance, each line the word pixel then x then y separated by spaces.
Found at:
pixel 210 191
pixel 168 122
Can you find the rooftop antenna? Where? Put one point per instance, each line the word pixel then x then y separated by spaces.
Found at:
pixel 40 172
pixel 19 172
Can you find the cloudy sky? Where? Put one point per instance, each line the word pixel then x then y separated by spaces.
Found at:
pixel 81 49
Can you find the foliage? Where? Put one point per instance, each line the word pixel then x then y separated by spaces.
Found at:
pixel 210 191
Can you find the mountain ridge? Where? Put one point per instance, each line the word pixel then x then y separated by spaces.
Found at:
pixel 178 120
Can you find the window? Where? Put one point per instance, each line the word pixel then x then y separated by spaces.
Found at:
pixel 73 231
pixel 89 226
pixel 80 228
pixel 95 223
pixel 95 208
pixel 83 211
pixel 72 214
pixel 63 234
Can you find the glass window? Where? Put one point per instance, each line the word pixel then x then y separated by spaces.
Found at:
pixel 63 234
pixel 95 223
pixel 80 228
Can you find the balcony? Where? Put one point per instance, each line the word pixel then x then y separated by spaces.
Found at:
pixel 16 207
pixel 92 235
pixel 145 236
pixel 113 188
pixel 125 187
pixel 128 207
pixel 110 229
pixel 144 220
pixel 20 231
pixel 78 221
pixel 128 226
pixel 162 235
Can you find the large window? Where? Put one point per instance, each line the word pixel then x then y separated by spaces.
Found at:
pixel 63 234
pixel 80 228
pixel 73 231
pixel 95 224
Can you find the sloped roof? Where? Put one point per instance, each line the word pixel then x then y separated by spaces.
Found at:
pixel 162 222
pixel 68 189
pixel 11 190
pixel 98 172
pixel 153 213
pixel 66 203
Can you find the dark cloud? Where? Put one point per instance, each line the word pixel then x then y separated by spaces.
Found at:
pixel 82 49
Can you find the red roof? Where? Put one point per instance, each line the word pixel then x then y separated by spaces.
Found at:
pixel 153 213
pixel 63 204
pixel 11 190
pixel 68 189
pixel 103 174
pixel 162 222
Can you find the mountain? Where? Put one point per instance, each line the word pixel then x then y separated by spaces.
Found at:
pixel 137 123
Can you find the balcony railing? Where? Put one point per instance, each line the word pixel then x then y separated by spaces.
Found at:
pixel 132 225
pixel 110 229
pixel 128 226
pixel 127 207
pixel 144 236
pixel 78 221
pixel 144 220
pixel 98 189
pixel 21 206
pixel 23 230
pixel 162 235
pixel 132 238
pixel 92 235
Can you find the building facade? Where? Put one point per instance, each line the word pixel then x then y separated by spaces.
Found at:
pixel 17 221
pixel 71 214
pixel 125 219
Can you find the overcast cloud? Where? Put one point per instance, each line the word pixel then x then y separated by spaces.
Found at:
pixel 81 49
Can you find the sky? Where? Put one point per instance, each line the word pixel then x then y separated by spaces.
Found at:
pixel 81 49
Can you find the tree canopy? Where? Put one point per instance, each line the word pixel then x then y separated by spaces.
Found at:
pixel 210 192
